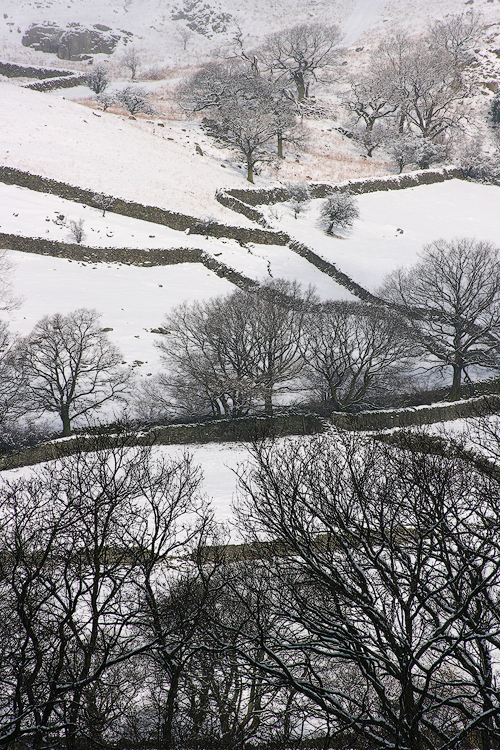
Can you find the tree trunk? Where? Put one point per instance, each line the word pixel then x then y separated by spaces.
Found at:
pixel 298 77
pixel 268 402
pixel 169 711
pixel 454 393
pixel 249 170
pixel 280 145
pixel 66 421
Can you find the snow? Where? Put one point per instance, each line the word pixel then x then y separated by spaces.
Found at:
pixel 218 461
pixel 375 247
pixel 155 33
pixel 132 299
pixel 132 159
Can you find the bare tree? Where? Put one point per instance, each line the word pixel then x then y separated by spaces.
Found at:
pixel 339 210
pixel 452 300
pixel 354 351
pixel 97 79
pixel 134 99
pixel 239 350
pixel 371 98
pixel 369 568
pixel 245 113
pixel 82 540
pixel 103 202
pixel 458 34
pixel 106 100
pixel 71 367
pixel 300 54
pixel 184 35
pixel 76 231
pixel 131 60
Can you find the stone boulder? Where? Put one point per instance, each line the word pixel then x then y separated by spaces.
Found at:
pixel 75 42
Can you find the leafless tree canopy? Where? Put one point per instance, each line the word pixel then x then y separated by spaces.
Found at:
pixel 384 579
pixel 244 112
pixel 70 367
pixel 131 60
pixel 235 352
pixel 85 547
pixel 354 351
pixel 452 300
pixel 299 54
pixel 98 79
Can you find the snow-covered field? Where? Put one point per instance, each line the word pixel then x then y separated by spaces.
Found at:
pixel 153 160
pixel 376 245
pixel 218 462
pixel 134 299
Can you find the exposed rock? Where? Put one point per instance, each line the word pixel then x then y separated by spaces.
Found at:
pixel 202 18
pixel 75 42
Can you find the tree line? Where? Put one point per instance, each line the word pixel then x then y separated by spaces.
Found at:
pixel 278 344
pixel 410 98
pixel 361 612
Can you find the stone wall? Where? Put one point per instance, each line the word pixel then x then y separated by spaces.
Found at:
pixel 128 256
pixel 331 270
pixel 251 428
pixel 355 187
pixel 58 83
pixel 180 222
pixel 421 415
pixel 226 430
pixel 12 70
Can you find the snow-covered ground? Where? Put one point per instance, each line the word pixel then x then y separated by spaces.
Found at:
pixel 156 33
pixel 134 299
pixel 376 245
pixel 219 463
pixel 132 159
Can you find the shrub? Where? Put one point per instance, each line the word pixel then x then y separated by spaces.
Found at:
pixel 339 210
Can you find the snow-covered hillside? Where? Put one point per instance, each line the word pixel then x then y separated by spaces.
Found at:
pixel 134 300
pixel 156 24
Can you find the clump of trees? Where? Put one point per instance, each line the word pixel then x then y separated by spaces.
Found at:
pixel 244 113
pixel 274 344
pixel 411 97
pixel 233 353
pixel 362 607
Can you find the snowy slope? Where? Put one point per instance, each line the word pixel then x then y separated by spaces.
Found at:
pixel 131 159
pixel 375 245
pixel 156 33
pixel 134 300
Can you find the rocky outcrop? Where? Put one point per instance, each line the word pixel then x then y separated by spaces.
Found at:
pixel 75 42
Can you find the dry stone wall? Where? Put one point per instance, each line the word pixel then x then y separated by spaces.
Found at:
pixel 154 214
pixel 58 83
pixel 250 428
pixel 261 197
pixel 125 255
pixel 12 70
